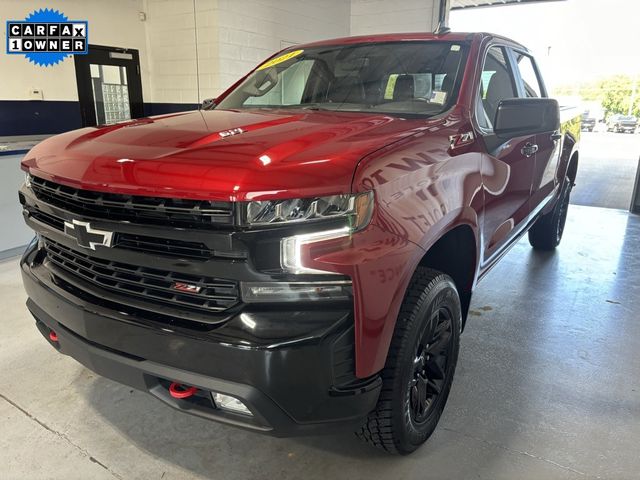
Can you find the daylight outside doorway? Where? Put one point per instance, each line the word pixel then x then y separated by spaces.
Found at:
pixel 593 65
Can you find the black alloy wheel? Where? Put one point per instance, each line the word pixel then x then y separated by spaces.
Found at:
pixel 430 365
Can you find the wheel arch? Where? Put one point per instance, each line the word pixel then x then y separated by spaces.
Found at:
pixel 455 253
pixel 451 247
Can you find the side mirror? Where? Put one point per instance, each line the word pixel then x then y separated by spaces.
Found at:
pixel 516 117
pixel 208 103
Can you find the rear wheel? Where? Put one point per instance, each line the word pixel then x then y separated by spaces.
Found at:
pixel 419 371
pixel 546 233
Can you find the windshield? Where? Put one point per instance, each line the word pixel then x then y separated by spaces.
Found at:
pixel 399 78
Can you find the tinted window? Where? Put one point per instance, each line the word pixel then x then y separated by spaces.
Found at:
pixel 496 84
pixel 408 77
pixel 532 86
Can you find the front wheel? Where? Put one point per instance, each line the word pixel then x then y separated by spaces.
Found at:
pixel 546 233
pixel 419 371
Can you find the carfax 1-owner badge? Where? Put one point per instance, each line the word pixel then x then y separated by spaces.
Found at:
pixel 47 36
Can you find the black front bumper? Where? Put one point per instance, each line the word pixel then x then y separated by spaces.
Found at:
pixel 304 384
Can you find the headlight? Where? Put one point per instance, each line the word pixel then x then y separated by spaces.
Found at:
pixel 27 180
pixel 291 249
pixel 357 208
pixel 352 213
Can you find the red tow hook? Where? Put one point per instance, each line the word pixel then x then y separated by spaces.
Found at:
pixel 177 390
pixel 53 336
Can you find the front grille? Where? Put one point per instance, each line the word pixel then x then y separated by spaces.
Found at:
pixel 134 208
pixel 146 244
pixel 163 246
pixel 143 285
pixel 51 220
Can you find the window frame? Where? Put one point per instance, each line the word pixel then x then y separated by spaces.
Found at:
pixel 515 79
pixel 522 92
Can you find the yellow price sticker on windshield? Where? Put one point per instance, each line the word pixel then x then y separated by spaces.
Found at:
pixel 280 59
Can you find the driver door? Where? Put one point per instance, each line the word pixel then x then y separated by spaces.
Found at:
pixel 508 167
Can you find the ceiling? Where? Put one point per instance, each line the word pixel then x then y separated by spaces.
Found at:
pixel 464 4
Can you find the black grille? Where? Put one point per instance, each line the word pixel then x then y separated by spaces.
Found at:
pixel 146 244
pixel 134 208
pixel 51 220
pixel 163 246
pixel 144 284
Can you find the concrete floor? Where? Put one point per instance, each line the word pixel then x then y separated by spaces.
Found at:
pixel 547 387
pixel 607 169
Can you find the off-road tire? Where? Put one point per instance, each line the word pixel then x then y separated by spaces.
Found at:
pixel 392 426
pixel 546 233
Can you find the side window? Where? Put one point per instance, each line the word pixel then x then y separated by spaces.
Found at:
pixel 532 88
pixel 496 83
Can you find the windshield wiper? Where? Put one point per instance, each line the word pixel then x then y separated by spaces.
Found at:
pixel 313 107
pixel 304 106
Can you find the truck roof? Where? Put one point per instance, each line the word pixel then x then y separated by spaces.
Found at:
pixel 401 37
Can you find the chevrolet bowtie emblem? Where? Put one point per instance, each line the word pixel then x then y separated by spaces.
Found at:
pixel 86 236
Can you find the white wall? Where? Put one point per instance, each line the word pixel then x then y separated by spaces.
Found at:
pixel 183 50
pixel 387 16
pixel 232 37
pixel 251 30
pixel 113 23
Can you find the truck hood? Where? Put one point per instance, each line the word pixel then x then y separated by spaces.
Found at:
pixel 220 154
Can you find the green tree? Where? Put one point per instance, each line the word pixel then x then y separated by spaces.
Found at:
pixel 615 93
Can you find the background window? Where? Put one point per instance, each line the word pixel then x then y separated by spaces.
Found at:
pixel 530 79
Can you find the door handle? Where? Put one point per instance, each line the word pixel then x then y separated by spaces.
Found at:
pixel 555 136
pixel 529 149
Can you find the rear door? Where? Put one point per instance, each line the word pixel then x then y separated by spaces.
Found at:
pixel 508 167
pixel 547 156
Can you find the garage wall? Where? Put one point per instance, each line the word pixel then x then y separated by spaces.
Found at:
pixel 249 31
pixel 171 32
pixel 195 57
pixel 189 49
pixel 114 23
pixel 385 16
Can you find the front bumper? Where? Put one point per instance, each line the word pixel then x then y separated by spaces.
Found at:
pixel 303 384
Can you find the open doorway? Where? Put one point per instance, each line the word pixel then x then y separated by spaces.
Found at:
pixel 607 172
pixel 109 85
pixel 583 67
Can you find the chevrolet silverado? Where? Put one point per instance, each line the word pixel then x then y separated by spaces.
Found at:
pixel 299 254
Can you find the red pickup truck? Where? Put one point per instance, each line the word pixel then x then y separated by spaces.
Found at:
pixel 300 253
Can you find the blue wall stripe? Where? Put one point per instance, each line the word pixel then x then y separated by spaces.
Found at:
pixel 38 117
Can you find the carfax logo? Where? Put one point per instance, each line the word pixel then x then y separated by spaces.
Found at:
pixel 47 36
